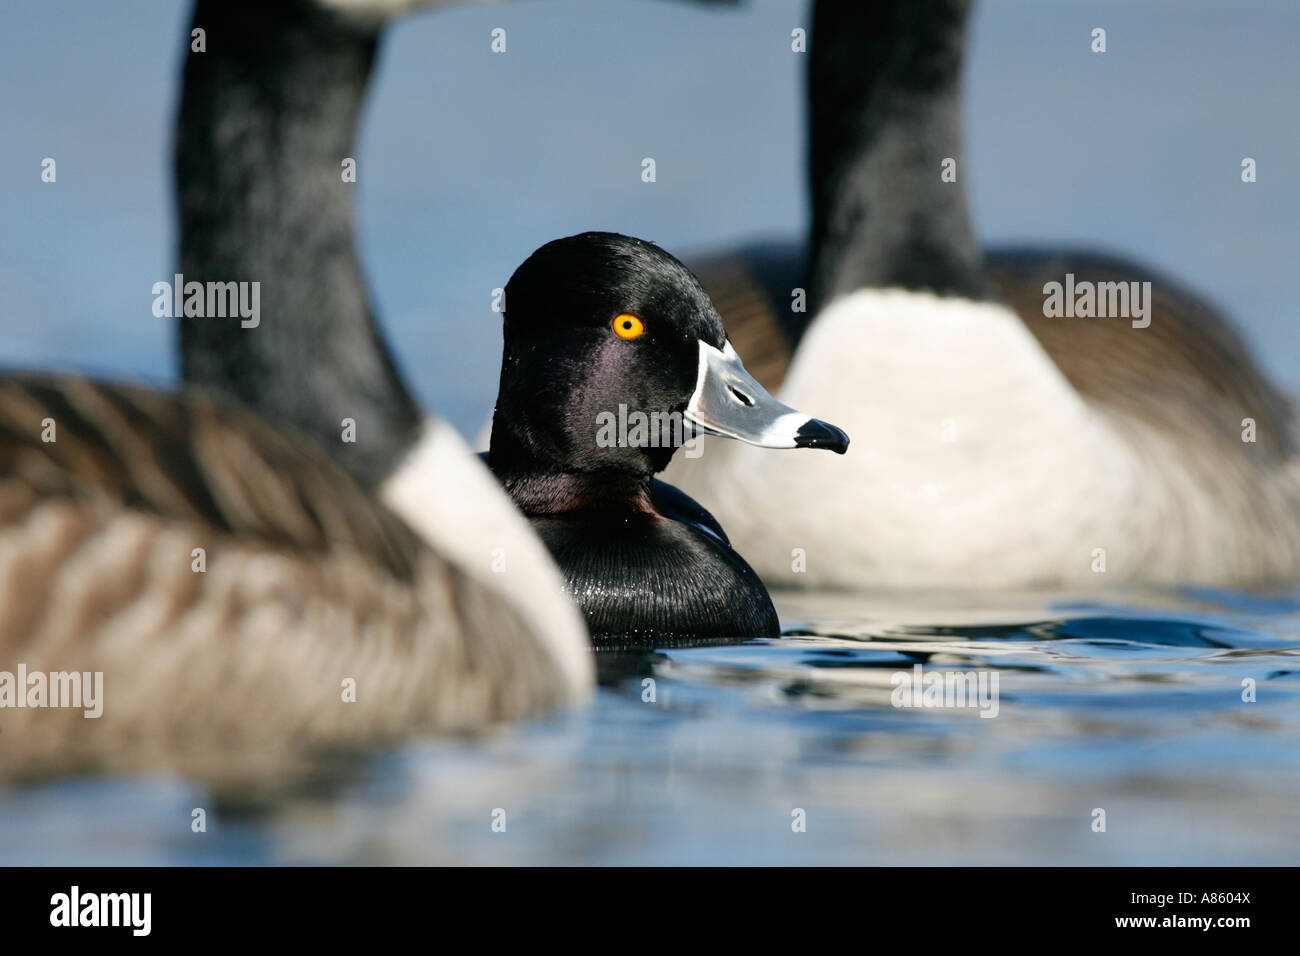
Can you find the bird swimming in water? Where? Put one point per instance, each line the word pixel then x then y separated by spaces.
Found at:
pixel 602 328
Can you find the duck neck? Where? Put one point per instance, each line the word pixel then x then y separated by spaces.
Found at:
pixel 884 94
pixel 268 114
pixel 549 477
pixel 608 493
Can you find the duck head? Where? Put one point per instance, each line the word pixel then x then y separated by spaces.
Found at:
pixel 615 356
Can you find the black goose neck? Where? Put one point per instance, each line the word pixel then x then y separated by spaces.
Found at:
pixel 884 95
pixel 268 115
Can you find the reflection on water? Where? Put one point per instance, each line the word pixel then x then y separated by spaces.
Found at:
pixel 707 754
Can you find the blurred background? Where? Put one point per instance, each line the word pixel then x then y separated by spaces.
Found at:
pixel 469 160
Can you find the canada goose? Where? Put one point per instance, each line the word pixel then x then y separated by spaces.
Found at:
pixel 243 598
pixel 614 357
pixel 267 117
pixel 243 595
pixel 996 446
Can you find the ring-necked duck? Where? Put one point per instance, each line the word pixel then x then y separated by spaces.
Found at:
pixel 1001 445
pixel 605 333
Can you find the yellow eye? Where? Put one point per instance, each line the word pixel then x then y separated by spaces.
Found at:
pixel 628 326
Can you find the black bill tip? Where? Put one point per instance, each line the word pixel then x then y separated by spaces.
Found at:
pixel 818 434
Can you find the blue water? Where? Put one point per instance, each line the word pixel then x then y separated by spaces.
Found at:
pixel 1135 709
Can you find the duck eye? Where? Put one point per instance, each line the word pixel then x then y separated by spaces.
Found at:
pixel 628 326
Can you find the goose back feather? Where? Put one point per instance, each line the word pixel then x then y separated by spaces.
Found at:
pixel 239 667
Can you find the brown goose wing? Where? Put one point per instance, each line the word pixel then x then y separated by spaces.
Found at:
pixel 192 457
pixel 243 670
pixel 1187 372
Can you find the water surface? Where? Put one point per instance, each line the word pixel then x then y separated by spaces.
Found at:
pixel 1134 707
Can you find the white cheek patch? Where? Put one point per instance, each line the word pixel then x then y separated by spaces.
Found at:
pixel 780 434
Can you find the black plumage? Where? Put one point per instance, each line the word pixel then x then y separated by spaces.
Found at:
pixel 645 563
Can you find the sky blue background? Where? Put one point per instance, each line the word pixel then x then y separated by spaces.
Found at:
pixel 469 160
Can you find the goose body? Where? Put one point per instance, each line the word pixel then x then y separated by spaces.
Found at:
pixel 244 599
pixel 997 446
